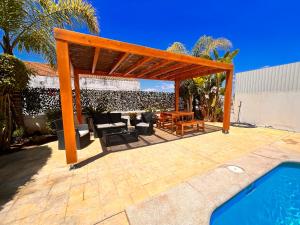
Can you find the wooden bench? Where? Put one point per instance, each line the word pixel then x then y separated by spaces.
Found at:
pixel 191 125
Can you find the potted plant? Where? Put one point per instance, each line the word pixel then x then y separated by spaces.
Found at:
pixel 132 117
pixel 18 134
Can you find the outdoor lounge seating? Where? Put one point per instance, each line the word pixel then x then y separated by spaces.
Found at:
pixel 82 135
pixel 144 126
pixel 108 121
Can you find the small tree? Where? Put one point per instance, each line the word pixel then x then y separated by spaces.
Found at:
pixel 14 76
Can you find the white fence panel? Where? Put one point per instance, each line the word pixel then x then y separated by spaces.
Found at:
pixel 269 97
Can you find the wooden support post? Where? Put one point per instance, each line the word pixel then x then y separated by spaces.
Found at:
pixel 63 62
pixel 177 85
pixel 227 101
pixel 77 96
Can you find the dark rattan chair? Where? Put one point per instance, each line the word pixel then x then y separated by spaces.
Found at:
pixel 145 125
pixel 82 135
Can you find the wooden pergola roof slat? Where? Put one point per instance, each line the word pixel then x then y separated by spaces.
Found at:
pixel 137 65
pixel 95 60
pixel 172 74
pixel 154 68
pixel 164 71
pixel 119 62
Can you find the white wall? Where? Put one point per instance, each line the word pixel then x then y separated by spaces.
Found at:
pixel 269 96
pixel 88 83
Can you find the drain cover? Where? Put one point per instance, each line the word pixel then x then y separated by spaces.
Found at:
pixel 235 169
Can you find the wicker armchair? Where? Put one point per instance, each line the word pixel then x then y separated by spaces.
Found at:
pixel 145 125
pixel 82 135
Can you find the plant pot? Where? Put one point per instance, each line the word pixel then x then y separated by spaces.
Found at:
pixel 133 122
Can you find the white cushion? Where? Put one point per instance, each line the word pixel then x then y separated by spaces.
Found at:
pixel 83 132
pixel 118 124
pixel 104 125
pixel 143 124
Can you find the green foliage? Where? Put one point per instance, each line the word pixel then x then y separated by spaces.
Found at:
pixel 18 133
pixel 209 88
pixel 52 114
pixel 206 45
pixel 90 110
pixel 132 116
pixel 150 109
pixel 14 75
pixel 178 47
pixel 28 24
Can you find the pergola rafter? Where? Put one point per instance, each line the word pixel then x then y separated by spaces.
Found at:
pixel 98 56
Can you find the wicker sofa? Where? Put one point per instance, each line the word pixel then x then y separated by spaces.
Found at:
pixel 108 121
pixel 82 135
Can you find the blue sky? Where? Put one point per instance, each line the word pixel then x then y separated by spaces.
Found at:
pixel 267 32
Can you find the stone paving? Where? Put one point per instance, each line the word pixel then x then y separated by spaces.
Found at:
pixel 37 186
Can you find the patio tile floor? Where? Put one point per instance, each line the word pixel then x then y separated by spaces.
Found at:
pixel 37 186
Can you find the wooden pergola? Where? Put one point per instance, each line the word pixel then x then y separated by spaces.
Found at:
pixel 79 54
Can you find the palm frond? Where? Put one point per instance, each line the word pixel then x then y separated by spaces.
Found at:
pixel 40 42
pixel 200 48
pixel 206 45
pixel 178 47
pixel 38 18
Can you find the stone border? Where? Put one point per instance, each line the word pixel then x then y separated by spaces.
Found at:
pixel 192 202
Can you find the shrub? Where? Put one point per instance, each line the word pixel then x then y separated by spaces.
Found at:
pixel 14 75
pixel 18 133
pixel 52 115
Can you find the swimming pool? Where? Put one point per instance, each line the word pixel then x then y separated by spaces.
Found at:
pixel 273 199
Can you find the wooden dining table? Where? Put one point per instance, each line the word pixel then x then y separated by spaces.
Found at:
pixel 176 116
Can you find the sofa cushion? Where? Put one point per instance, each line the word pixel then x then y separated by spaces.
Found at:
pixel 142 124
pixel 83 132
pixel 119 124
pixel 101 118
pixel 105 125
pixel 147 117
pixel 114 117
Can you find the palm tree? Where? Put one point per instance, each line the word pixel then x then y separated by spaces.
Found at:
pixel 219 79
pixel 208 88
pixel 206 45
pixel 28 24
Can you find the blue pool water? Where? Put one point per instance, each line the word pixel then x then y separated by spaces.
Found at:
pixel 273 199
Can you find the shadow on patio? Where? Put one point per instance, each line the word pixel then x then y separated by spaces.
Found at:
pixel 160 136
pixel 17 169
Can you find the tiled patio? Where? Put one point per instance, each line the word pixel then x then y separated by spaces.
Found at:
pixel 38 188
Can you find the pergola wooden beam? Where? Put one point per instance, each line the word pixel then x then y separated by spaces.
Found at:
pixel 90 40
pixel 154 68
pixel 171 74
pixel 77 96
pixel 199 74
pixel 167 70
pixel 64 73
pixel 227 101
pixel 115 74
pixel 176 90
pixel 185 71
pixel 95 60
pixel 136 66
pixel 118 63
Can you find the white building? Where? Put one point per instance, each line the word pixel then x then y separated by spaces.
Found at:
pixel 48 78
pixel 269 97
